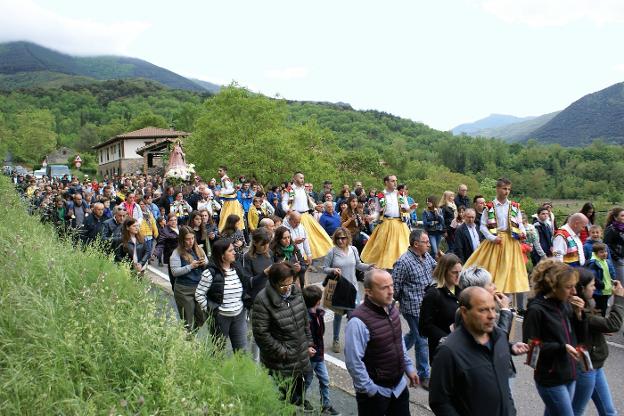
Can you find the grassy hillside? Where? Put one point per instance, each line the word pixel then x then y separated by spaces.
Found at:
pixel 81 335
pixel 26 57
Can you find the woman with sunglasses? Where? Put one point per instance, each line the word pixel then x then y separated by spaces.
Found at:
pixel 281 330
pixel 340 263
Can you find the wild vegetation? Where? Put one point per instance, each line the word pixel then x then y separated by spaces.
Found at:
pixel 82 335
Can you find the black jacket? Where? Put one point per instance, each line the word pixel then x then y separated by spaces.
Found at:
pixel 598 326
pixel 615 240
pixel 437 314
pixel 554 324
pixel 93 227
pixel 253 270
pixel 463 242
pixel 166 243
pixel 282 331
pixel 468 378
pixel 125 253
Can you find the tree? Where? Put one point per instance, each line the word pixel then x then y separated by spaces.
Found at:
pixel 148 119
pixel 35 135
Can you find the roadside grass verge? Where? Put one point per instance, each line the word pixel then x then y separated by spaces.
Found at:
pixel 81 335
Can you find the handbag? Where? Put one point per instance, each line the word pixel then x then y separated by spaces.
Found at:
pixel 329 285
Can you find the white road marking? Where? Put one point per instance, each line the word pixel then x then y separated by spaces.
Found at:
pixel 616 345
pixel 335 361
pixel 158 273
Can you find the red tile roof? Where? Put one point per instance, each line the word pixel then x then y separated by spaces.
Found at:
pixel 144 133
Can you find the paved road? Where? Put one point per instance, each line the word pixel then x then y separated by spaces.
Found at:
pixel 525 395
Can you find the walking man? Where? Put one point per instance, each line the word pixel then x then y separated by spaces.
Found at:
pixel 375 353
pixel 412 274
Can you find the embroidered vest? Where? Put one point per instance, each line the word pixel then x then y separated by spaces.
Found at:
pixel 572 251
pixel 513 219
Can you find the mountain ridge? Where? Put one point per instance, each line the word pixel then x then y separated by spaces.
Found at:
pixel 27 64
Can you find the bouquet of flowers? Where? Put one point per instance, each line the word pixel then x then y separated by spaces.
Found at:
pixel 179 175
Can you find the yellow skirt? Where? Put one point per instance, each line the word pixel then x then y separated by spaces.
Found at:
pixel 320 242
pixel 231 206
pixel 504 262
pixel 389 241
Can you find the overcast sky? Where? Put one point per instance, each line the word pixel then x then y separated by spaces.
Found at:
pixel 439 62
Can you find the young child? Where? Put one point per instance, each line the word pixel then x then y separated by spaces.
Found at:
pixel 595 236
pixel 312 296
pixel 604 271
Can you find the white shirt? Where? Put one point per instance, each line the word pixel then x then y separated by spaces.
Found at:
pixel 560 245
pixel 227 187
pixel 300 203
pixel 502 212
pixel 392 208
pixel 299 232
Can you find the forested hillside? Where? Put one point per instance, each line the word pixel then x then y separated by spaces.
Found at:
pixel 268 138
pixel 25 64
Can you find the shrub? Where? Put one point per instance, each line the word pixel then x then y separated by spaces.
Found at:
pixel 80 335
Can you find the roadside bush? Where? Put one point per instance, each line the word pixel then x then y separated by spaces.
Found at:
pixel 81 335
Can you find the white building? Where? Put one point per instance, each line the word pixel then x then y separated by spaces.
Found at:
pixel 118 155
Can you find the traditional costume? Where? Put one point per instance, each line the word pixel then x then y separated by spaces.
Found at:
pixel 504 261
pixel 390 239
pixel 297 199
pixel 255 215
pixel 230 204
pixel 567 247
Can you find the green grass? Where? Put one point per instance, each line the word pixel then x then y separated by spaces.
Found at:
pixel 80 335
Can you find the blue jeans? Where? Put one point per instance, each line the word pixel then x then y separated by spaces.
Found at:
pixel 337 322
pixel 421 349
pixel 434 239
pixel 593 384
pixel 234 328
pixel 557 399
pixel 319 368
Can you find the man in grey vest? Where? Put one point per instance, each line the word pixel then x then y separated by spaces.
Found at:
pixel 375 354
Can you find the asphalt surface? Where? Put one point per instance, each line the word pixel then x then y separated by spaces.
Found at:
pixel 527 401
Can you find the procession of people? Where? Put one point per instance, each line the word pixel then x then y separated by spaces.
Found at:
pixel 239 257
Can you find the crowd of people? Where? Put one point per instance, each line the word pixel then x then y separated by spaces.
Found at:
pixel 237 255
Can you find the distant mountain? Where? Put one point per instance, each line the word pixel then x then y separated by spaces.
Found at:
pixel 595 116
pixel 491 121
pixel 208 86
pixel 516 132
pixel 26 65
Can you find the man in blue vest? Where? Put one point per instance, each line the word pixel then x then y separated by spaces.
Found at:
pixel 375 354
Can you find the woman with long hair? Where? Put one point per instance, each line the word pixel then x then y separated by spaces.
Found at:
pixel 197 225
pixel 222 293
pixel 353 220
pixel 166 243
pixel 187 262
pixel 593 384
pixel 284 250
pixel 614 239
pixel 553 324
pixel 341 262
pixel 212 230
pixel 232 234
pixel 589 211
pixel 437 311
pixel 449 213
pixel 433 222
pixel 132 248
